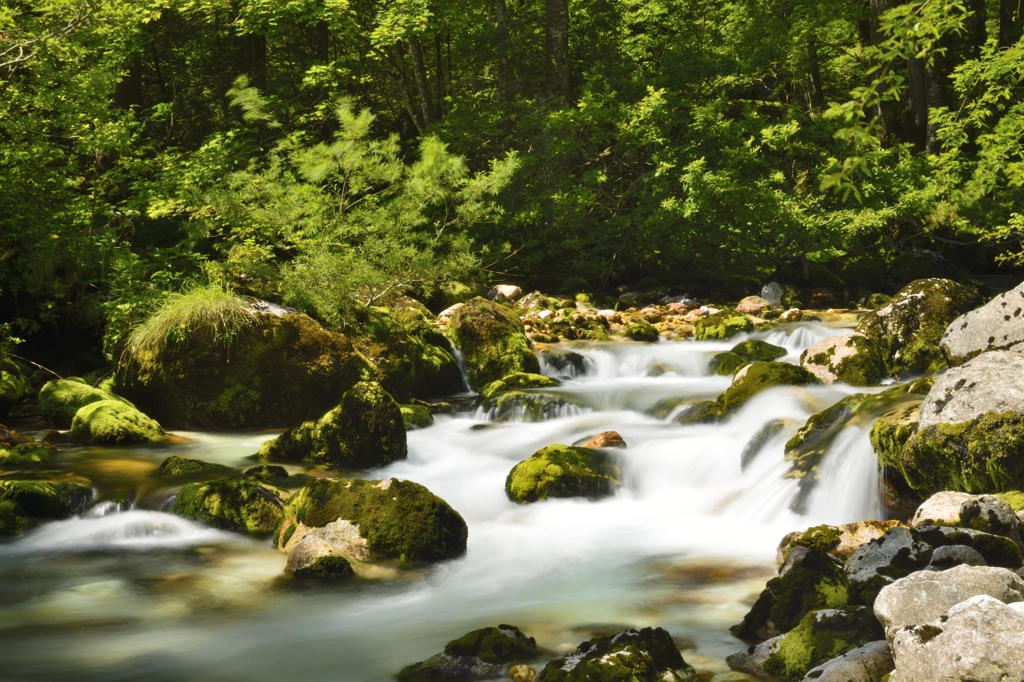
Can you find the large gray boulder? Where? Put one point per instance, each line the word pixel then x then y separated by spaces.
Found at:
pixel 869 663
pixel 997 325
pixel 880 562
pixel 978 640
pixel 986 513
pixel 991 382
pixel 923 597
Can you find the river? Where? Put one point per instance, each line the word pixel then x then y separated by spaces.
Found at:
pixel 686 543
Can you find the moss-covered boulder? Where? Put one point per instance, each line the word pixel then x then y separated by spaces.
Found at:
pixel 747 383
pixel 908 330
pixel 996 550
pixel 483 653
pixel 528 406
pixel 13 385
pixel 25 454
pixel 517 382
pixel 374 521
pixel 112 422
pixel 853 359
pixel 744 353
pixel 180 466
pixel 416 416
pixel 366 430
pixel 316 558
pixel 492 342
pixel 13 519
pixel 563 471
pixel 643 331
pixel 820 637
pixel 727 363
pixel 721 325
pixel 266 473
pixel 644 655
pixel 808 580
pixel 61 399
pixel 45 499
pixel 239 504
pixel 276 371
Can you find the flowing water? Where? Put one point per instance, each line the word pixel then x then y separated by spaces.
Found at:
pixel 686 544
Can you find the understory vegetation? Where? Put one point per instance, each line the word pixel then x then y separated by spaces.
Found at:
pixel 335 155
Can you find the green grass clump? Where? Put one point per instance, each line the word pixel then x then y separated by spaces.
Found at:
pixel 207 314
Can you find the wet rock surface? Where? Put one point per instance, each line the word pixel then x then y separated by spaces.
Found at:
pixel 997 325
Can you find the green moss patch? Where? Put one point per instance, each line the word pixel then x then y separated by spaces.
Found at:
pixel 46 500
pixel 416 416
pixel 239 504
pixel 60 399
pixel 177 466
pixel 642 331
pixel 25 454
pixel 563 471
pixel 759 351
pixel 502 644
pixel 820 637
pixel 517 382
pixel 112 422
pixel 645 655
pixel 722 325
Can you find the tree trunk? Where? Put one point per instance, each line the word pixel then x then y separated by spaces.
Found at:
pixel 817 92
pixel 505 84
pixel 917 102
pixel 257 61
pixel 1010 23
pixel 321 42
pixel 419 72
pixel 976 31
pixel 556 27
pixel 439 83
pixel 887 112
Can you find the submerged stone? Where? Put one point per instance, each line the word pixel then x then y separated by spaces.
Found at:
pixel 416 416
pixel 523 406
pixel 177 466
pixel 563 471
pixel 517 381
pixel 313 557
pixel 644 655
pixel 239 504
pixel 492 342
pixel 26 454
pixel 46 500
pixel 13 519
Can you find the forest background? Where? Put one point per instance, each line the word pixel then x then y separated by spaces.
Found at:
pixel 333 154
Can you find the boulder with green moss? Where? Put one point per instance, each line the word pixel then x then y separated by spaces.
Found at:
pixel 517 382
pixel 416 416
pixel 266 473
pixel 483 653
pixel 744 353
pixel 374 521
pixel 277 369
pixel 908 330
pixel 747 383
pixel 563 471
pixel 179 466
pixel 996 550
pixel 13 385
pixel 112 422
pixel 46 499
pixel 643 331
pixel 529 406
pixel 239 504
pixel 728 363
pixel 366 430
pixel 853 359
pixel 25 454
pixel 13 519
pixel 986 513
pixel 638 655
pixel 808 580
pixel 492 342
pixel 61 399
pixel 721 325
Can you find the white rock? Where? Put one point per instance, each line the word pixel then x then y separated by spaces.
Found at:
pixel 506 292
pixel 986 513
pixel 992 381
pixel 869 663
pixel 997 325
pixel 448 313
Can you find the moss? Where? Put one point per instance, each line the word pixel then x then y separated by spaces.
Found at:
pixel 722 325
pixel 646 655
pixel 492 342
pixel 366 430
pixel 908 330
pixel 13 385
pixel 820 637
pixel 813 581
pixel 285 534
pixel 13 519
pixel 60 399
pixel 276 372
pixel 238 504
pixel 112 422
pixel 502 644
pixel 400 520
pixel 329 567
pixel 822 538
pixel 642 331
pixel 876 301
pixel 517 382
pixel 527 406
pixel 416 416
pixel 864 366
pixel 728 363
pixel 176 466
pixel 265 473
pixel 46 500
pixel 563 471
pixel 759 351
pixel 764 375
pixel 1014 498
pixel 25 454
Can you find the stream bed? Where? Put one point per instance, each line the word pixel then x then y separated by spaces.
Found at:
pixel 686 544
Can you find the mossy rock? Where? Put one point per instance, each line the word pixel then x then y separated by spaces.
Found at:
pixel 853 359
pixel 563 471
pixel 1014 498
pixel 517 382
pixel 809 580
pixel 396 520
pixel 759 351
pixel 112 422
pixel 984 455
pixel 997 550
pixel 492 342
pixel 13 519
pixel 366 430
pixel 178 466
pixel 416 416
pixel 749 381
pixel 907 331
pixel 61 399
pixel 502 644
pixel 46 500
pixel 528 406
pixel 645 655
pixel 642 331
pixel 266 473
pixel 25 454
pixel 722 325
pixel 239 504
pixel 276 372
pixel 13 385
pixel 820 637
pixel 728 363
pixel 330 567
pixel 823 538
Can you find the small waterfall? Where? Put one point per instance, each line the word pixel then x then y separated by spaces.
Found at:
pixel 461 362
pixel 848 480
